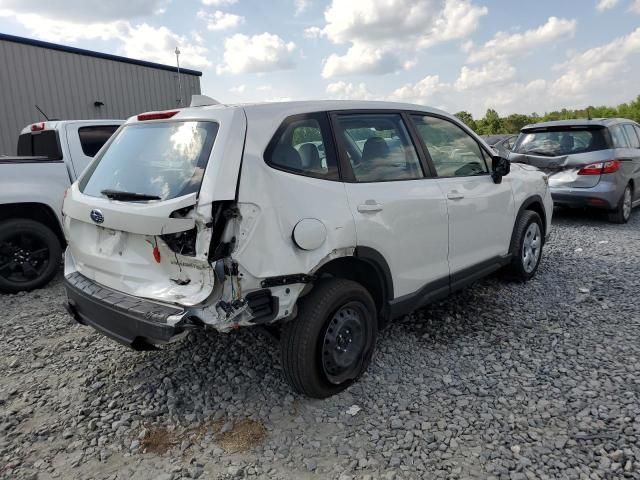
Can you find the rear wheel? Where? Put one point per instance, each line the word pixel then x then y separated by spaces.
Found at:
pixel 30 255
pixel 623 210
pixel 526 247
pixel 331 342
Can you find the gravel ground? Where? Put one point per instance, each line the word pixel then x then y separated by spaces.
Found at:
pixel 501 381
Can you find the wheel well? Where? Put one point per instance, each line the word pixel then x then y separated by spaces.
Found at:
pixel 34 211
pixel 366 274
pixel 537 207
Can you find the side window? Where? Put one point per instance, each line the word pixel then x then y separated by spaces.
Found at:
pixel 631 135
pixel 453 151
pixel 302 145
pixel 618 137
pixel 378 147
pixel 93 138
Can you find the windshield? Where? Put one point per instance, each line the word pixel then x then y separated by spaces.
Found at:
pixel 567 141
pixel 165 160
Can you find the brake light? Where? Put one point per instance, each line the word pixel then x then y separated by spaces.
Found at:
pixel 600 168
pixel 156 115
pixel 37 127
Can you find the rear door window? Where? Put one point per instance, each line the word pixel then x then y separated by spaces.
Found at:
pixel 163 159
pixel 378 147
pixel 632 136
pixel 40 144
pixel 93 138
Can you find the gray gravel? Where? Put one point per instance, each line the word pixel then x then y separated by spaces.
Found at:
pixel 503 381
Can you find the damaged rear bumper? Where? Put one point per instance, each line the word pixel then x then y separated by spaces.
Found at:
pixel 132 321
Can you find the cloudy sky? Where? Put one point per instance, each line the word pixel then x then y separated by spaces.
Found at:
pixel 514 56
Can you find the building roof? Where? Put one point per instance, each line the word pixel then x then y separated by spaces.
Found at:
pixel 91 53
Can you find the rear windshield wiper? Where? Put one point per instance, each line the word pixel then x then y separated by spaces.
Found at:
pixel 119 195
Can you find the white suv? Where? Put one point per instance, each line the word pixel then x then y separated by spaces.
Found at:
pixel 327 218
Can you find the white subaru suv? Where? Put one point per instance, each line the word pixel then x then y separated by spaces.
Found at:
pixel 325 218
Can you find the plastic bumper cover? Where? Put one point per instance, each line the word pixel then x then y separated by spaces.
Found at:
pixel 132 321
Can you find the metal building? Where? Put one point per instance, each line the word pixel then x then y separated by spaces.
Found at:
pixel 71 83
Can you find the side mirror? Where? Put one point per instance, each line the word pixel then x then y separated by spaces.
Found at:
pixel 500 167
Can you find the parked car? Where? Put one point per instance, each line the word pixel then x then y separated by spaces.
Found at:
pixel 591 163
pixel 50 157
pixel 502 144
pixel 227 216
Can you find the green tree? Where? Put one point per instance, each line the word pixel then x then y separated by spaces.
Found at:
pixel 467 119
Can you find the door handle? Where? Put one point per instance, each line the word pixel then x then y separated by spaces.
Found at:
pixel 369 206
pixel 455 195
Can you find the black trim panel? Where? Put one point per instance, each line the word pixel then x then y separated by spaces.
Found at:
pixel 23 160
pixel 376 259
pixel 442 288
pixel 130 320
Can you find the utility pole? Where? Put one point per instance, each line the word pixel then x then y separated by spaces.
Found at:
pixel 177 52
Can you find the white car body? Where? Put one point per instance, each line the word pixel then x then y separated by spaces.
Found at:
pixel 425 236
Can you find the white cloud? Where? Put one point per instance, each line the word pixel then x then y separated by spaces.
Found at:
pixel 361 59
pixel 265 52
pixel 238 89
pixel 142 41
pixel 264 88
pixel 489 73
pixel 635 7
pixel 421 91
pixel 220 20
pixel 94 11
pixel 349 91
pixel 312 32
pixel 382 32
pixel 301 6
pixel 603 5
pixel 597 67
pixel 218 3
pixel 157 44
pixel 504 44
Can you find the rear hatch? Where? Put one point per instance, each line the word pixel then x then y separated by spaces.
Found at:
pixel 140 219
pixel 562 151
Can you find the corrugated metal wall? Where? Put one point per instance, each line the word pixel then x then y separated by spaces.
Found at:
pixel 66 85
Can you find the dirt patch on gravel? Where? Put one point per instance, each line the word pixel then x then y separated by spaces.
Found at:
pixel 159 441
pixel 244 435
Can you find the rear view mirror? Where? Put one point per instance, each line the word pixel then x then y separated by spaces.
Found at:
pixel 500 167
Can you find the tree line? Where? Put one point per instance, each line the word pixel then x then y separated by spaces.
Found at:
pixel 492 123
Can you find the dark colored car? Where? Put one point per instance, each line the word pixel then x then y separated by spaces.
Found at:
pixel 502 144
pixel 591 163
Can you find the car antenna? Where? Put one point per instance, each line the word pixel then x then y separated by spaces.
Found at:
pixel 43 114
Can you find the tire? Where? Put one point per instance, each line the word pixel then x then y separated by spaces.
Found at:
pixel 622 213
pixel 30 255
pixel 526 255
pixel 336 322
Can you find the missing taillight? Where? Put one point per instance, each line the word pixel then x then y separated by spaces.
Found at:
pixel 600 168
pixel 182 243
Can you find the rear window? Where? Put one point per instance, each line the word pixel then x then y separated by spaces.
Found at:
pixel 40 144
pixel 165 159
pixel 561 141
pixel 93 138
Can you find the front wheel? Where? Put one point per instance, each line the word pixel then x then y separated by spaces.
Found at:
pixel 30 255
pixel 526 248
pixel 623 210
pixel 331 342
